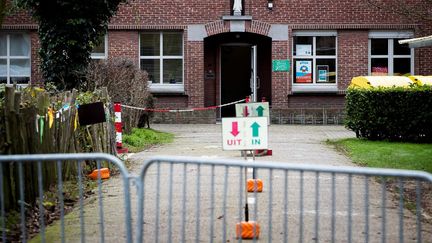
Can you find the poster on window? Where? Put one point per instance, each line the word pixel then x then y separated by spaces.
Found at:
pixel 323 73
pixel 303 71
pixel 379 71
pixel 304 50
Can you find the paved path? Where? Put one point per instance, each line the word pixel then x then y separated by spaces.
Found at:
pixel 290 144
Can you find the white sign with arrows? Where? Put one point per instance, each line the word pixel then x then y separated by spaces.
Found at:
pixel 244 133
pixel 253 109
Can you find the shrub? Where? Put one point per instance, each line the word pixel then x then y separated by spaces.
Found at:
pixel 125 82
pixel 395 114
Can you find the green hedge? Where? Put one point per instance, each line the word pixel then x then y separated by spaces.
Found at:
pixel 395 114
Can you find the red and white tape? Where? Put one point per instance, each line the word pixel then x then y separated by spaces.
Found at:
pixel 183 110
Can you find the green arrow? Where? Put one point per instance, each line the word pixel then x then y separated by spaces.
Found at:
pixel 255 126
pixel 260 110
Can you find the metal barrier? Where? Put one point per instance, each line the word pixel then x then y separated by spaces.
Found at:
pixel 202 200
pixel 183 199
pixel 68 228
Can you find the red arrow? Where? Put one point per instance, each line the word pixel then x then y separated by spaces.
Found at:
pixel 245 111
pixel 234 130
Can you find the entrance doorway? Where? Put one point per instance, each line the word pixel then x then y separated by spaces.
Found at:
pixel 235 70
pixel 229 69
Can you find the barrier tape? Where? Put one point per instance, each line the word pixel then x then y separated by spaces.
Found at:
pixel 183 110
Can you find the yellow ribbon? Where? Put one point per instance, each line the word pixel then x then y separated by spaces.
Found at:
pixel 50 117
pixel 76 121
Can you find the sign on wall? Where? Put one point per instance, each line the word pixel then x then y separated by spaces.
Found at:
pixel 303 71
pixel 303 50
pixel 280 65
pixel 323 73
pixel 252 109
pixel 244 133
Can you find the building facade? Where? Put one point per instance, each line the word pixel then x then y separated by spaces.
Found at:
pixel 296 54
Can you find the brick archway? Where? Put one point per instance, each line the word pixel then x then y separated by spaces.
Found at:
pixel 251 26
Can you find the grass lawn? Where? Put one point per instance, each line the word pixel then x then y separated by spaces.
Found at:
pixel 142 138
pixel 410 156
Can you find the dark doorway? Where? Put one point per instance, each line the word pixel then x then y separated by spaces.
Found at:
pixel 235 75
pixel 227 62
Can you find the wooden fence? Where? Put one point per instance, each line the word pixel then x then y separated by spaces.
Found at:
pixel 32 121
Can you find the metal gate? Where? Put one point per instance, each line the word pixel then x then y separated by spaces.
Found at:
pixel 182 199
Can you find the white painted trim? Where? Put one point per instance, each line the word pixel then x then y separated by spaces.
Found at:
pixel 158 87
pixel 304 88
pixel 314 58
pixel 105 55
pixel 386 34
pixel 237 26
pixel 166 88
pixel 8 58
pixel 390 56
pixel 278 32
pixel 196 32
pixel 418 42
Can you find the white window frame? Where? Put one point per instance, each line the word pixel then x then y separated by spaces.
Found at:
pixel 390 36
pixel 105 55
pixel 163 87
pixel 314 86
pixel 8 58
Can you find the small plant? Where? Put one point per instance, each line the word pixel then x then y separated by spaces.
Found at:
pixel 141 138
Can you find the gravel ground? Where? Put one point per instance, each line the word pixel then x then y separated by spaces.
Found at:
pixel 171 212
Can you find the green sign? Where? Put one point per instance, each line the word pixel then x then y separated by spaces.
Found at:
pixel 281 65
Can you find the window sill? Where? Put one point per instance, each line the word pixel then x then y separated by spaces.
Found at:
pixel 167 88
pixel 314 88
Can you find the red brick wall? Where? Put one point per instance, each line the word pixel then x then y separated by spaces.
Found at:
pixel 424 58
pixel 167 12
pixel 194 83
pixel 423 55
pixel 210 68
pixel 316 101
pixel 280 50
pixel 124 44
pixel 171 102
pixel 352 56
pixel 36 75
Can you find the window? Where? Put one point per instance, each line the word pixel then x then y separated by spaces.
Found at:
pixel 314 59
pixel 161 55
pixel 387 56
pixel 14 58
pixel 100 51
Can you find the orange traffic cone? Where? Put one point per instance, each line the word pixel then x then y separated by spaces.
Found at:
pixel 105 174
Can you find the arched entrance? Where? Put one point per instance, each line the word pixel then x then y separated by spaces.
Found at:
pixel 229 68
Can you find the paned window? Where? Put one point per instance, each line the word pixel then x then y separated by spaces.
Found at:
pixel 15 58
pixel 100 51
pixel 161 55
pixel 314 58
pixel 388 57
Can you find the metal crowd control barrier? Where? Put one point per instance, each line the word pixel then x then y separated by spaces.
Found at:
pixel 201 200
pixel 72 227
pixel 182 199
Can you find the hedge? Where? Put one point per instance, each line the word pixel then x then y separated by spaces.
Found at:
pixel 394 114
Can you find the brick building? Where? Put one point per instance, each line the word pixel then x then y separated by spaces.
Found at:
pixel 203 53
